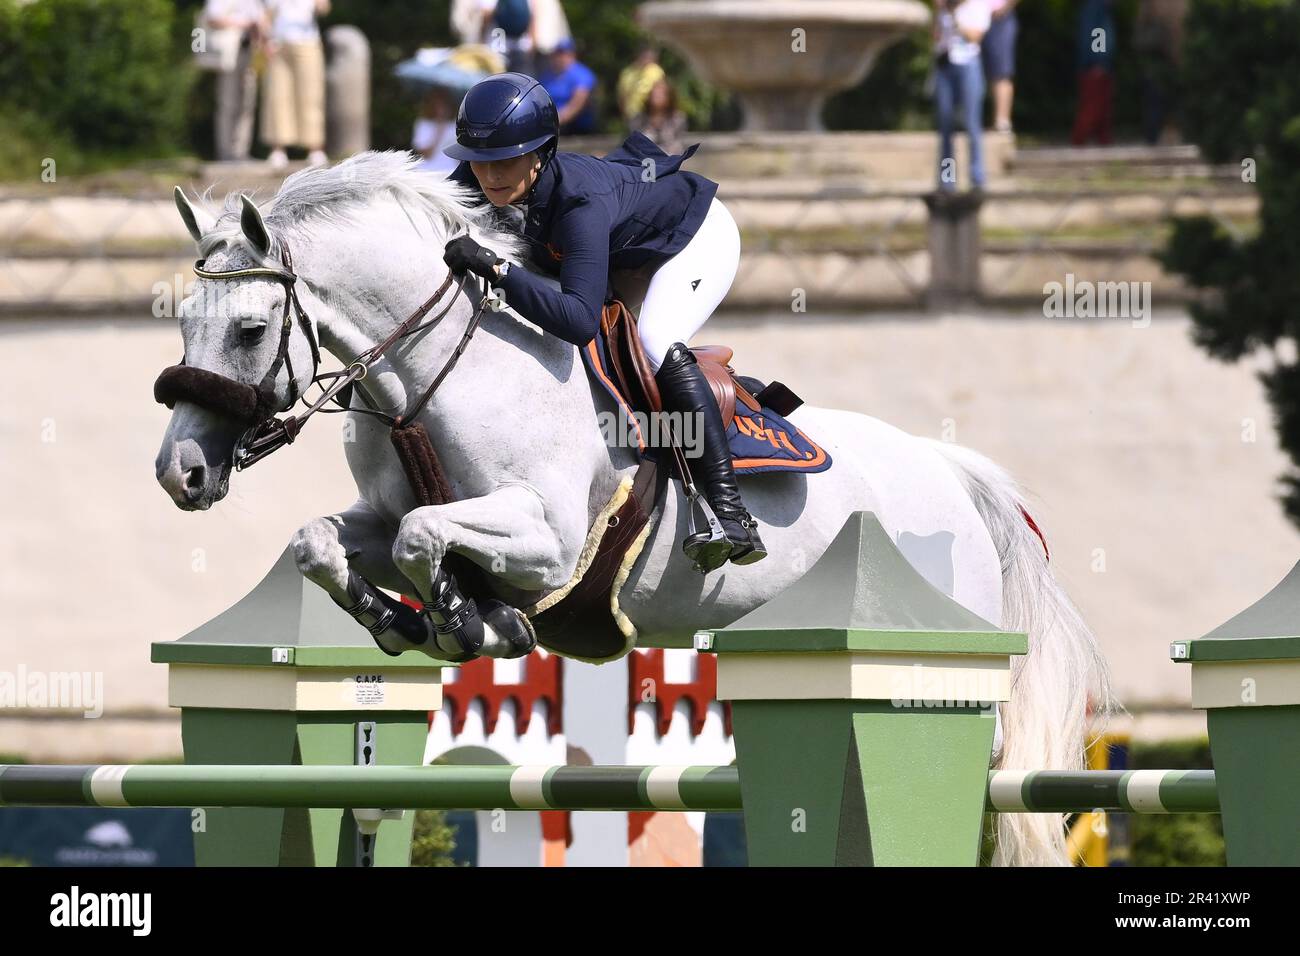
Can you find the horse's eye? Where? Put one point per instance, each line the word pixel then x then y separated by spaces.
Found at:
pixel 251 331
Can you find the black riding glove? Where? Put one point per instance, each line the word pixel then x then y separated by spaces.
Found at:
pixel 464 254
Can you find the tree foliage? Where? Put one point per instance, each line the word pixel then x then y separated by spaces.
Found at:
pixel 106 73
pixel 1243 107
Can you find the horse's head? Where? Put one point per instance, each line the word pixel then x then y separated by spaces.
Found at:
pixel 249 351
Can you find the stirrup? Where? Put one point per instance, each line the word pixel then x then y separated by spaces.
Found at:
pixel 708 547
pixel 757 549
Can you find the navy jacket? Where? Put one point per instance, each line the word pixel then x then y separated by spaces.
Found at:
pixel 588 216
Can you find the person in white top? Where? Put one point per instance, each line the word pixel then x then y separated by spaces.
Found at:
pixel 959 26
pixel 293 104
pixel 434 129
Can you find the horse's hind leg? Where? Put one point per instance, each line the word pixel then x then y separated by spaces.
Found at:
pixel 350 556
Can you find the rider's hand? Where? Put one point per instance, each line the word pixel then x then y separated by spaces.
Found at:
pixel 463 254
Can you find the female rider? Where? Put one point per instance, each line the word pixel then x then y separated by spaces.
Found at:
pixel 583 216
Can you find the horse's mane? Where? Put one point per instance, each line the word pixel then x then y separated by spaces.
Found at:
pixel 333 196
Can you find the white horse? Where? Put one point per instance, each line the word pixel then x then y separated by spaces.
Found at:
pixel 516 428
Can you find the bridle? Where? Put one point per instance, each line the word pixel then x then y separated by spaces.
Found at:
pixel 255 405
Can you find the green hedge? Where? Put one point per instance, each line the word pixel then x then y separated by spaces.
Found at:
pixel 1175 839
pixel 108 72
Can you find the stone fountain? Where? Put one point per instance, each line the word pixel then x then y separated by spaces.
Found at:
pixel 783 58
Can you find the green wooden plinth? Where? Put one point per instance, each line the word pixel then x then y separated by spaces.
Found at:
pixel 1257 768
pixel 1246 676
pixel 284 677
pixel 258 836
pixel 861 783
pixel 863 710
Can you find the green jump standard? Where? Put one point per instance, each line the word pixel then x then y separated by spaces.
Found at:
pixel 1246 676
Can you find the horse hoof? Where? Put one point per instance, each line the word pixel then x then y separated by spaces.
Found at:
pixel 513 626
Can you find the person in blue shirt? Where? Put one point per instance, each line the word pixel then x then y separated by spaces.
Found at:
pixel 572 87
pixel 634 209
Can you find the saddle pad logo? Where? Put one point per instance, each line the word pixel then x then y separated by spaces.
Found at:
pixel 761 441
pixel 764 441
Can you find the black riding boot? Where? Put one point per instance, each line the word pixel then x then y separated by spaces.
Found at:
pixel 684 390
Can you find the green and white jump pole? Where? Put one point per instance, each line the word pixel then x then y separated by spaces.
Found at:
pixel 457 787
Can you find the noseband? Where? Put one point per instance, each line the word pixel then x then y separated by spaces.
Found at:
pixel 255 406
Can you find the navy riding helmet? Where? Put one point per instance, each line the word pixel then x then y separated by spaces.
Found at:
pixel 503 116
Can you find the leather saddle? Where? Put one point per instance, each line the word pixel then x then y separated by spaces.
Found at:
pixel 636 380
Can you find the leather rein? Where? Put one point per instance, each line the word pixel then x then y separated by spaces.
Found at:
pixel 253 404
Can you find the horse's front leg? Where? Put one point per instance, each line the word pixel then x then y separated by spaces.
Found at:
pixel 504 532
pixel 350 556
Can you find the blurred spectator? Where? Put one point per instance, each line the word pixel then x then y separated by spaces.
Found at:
pixel 515 20
pixel 434 129
pixel 550 25
pixel 472 23
pixel 999 49
pixel 959 27
pixel 573 88
pixel 636 80
pixel 508 28
pixel 1096 60
pixel 661 120
pixel 1155 45
pixel 232 29
pixel 441 76
pixel 293 100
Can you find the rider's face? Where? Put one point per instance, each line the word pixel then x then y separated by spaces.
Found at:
pixel 507 180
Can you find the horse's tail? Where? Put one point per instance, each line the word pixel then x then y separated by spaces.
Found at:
pixel 1045 722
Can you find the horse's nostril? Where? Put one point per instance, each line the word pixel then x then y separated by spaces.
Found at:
pixel 194 482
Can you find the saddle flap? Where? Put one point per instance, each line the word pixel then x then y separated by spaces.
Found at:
pixel 724 389
pixel 631 367
pixel 636 379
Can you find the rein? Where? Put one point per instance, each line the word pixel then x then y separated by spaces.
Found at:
pixel 254 404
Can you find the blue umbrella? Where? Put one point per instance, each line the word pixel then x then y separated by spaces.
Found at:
pixel 423 74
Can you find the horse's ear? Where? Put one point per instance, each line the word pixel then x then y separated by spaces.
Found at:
pixel 196 220
pixel 250 221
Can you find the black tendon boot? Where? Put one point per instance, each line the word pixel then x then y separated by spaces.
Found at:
pixel 396 627
pixel 494 630
pixel 684 390
pixel 455 618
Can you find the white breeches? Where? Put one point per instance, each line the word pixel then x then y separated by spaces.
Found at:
pixel 684 291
